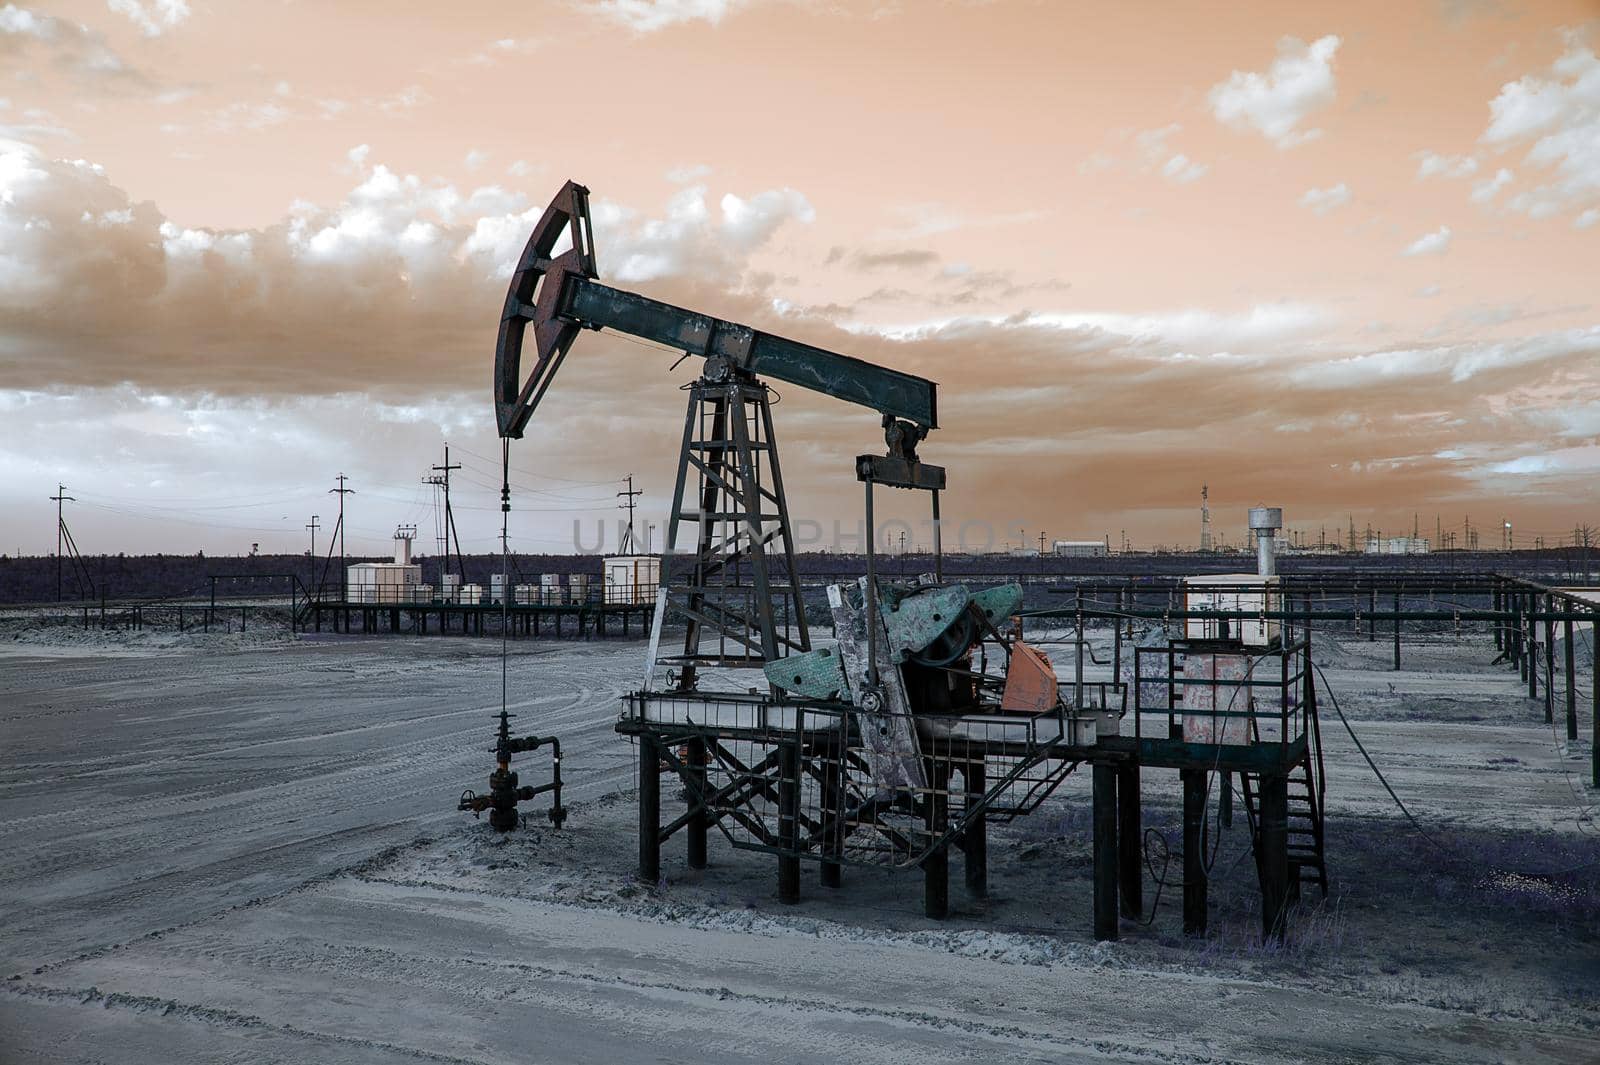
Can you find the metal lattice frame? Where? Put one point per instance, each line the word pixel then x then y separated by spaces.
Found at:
pixel 738 607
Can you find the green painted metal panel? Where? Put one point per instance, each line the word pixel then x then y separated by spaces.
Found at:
pixel 810 674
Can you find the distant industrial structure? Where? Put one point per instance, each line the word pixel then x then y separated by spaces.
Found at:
pixel 1080 548
pixel 1399 545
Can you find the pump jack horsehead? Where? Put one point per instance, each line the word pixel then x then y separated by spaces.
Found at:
pixel 740 600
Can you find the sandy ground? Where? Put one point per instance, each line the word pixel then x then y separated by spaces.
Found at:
pixel 243 848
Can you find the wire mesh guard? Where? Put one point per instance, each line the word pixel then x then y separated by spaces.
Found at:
pixel 797 778
pixel 1206 692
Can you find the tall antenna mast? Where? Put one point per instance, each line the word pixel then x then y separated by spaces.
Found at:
pixel 1205 518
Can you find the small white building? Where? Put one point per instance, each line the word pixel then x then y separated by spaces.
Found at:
pixel 631 580
pixel 386 582
pixel 1081 548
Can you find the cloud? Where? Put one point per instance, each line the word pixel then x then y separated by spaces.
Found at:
pixel 648 16
pixel 1435 243
pixel 1431 164
pixel 1325 200
pixel 907 259
pixel 1457 363
pixel 1558 115
pixel 1485 191
pixel 1181 170
pixel 394 288
pixel 153 18
pixel 76 49
pixel 1299 82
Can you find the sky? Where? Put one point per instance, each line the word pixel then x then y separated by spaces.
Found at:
pixel 1337 258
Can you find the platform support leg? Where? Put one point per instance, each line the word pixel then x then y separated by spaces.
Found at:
pixel 1194 859
pixel 975 858
pixel 788 823
pixel 1549 664
pixel 833 803
pixel 649 809
pixel 1397 631
pixel 1130 835
pixel 936 866
pixel 1105 852
pixel 1572 678
pixel 695 778
pixel 1274 854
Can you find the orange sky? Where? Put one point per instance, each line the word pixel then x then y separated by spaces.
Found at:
pixel 1335 257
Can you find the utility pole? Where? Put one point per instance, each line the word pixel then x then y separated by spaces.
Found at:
pixel 1041 542
pixel 341 492
pixel 629 496
pixel 61 527
pixel 441 478
pixel 313 526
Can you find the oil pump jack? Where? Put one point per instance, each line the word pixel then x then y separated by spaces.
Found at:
pixel 902 648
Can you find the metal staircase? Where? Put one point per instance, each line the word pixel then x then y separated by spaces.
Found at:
pixel 1308 862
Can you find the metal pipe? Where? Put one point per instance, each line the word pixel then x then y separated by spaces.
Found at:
pixel 975 849
pixel 1105 851
pixel 873 621
pixel 1194 864
pixel 789 823
pixel 1130 841
pixel 1572 693
pixel 936 866
pixel 649 809
pixel 1274 855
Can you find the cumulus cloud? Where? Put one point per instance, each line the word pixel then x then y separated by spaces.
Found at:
pixel 154 18
pixel 1299 82
pixel 1557 114
pixel 395 286
pixel 648 16
pixel 1435 243
pixel 1324 200
pixel 1432 164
